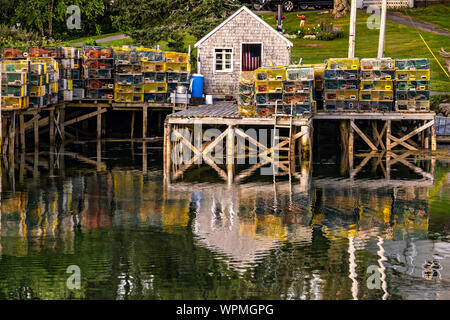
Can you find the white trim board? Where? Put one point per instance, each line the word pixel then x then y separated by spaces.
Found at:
pixel 289 43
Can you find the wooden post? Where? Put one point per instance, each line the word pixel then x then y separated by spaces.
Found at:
pixel 99 123
pixel 351 141
pixel 62 115
pixel 99 155
pixel 167 151
pixel 22 131
pixel 305 141
pixel 433 136
pixel 12 133
pixel 36 133
pixel 51 125
pixel 351 36
pixel 388 134
pixel 144 122
pixel 133 115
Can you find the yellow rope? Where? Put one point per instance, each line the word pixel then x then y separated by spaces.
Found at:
pixel 434 56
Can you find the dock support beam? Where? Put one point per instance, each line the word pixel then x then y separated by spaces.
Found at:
pixel 22 131
pixel 36 132
pixel 144 122
pixel 351 141
pixel 99 123
pixel 230 154
pixel 52 128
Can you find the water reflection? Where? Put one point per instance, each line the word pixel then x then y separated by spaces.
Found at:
pixel 293 237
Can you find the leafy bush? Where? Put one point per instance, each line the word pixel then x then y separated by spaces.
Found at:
pixel 436 100
pixel 323 31
pixel 10 37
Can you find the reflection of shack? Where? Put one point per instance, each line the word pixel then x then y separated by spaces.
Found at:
pixel 410 210
pixel 98 202
pixel 13 224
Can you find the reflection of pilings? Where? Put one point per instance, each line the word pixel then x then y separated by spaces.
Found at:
pixel 382 268
pixel 352 267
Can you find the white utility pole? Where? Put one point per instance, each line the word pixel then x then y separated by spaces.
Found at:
pixel 382 29
pixel 352 33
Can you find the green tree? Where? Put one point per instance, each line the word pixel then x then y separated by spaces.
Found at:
pixel 150 21
pixel 41 14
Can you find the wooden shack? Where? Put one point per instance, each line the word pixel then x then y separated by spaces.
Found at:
pixel 243 42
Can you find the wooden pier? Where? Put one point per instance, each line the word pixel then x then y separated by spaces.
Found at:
pixel 379 133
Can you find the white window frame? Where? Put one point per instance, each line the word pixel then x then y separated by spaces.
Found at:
pixel 232 59
pixel 262 52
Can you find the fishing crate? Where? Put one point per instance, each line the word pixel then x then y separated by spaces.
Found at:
pixel 342 64
pixel 121 88
pixel 269 98
pixel 178 67
pixel 67 63
pixel 100 84
pixel 70 53
pixel 91 94
pixel 412 106
pixel 176 57
pixel 247 110
pixel 98 74
pixel 38 91
pixel 93 52
pixel 412 64
pixel 14 91
pixel 377 64
pixel 15 66
pixel 341 85
pixel 129 97
pixel 14 53
pixel 297 110
pixel 51 64
pixel 154 77
pixel 156 97
pixel 340 105
pixel 269 86
pixel 38 102
pixel 376 106
pixel 98 64
pixel 153 66
pixel 298 86
pixel 270 74
pixel 340 74
pixel 247 77
pixel 246 99
pixel 78 93
pixel 14 103
pixel 412 95
pixel 297 98
pixel 299 74
pixel 377 75
pixel 376 95
pixel 125 56
pixel 412 85
pixel 147 54
pixel 155 87
pixel 176 77
pixel 129 69
pixel 128 79
pixel 414 75
pixel 265 111
pixel 376 85
pixel 14 78
pixel 78 83
pixel 341 94
pixel 45 52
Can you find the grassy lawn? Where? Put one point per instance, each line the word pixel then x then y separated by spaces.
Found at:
pixel 437 14
pixel 401 42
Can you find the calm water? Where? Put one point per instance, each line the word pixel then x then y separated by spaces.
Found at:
pixel 135 237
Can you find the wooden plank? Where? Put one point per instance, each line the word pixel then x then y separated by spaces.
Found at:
pixel 133 115
pixel 52 127
pixel 388 134
pixel 412 133
pixel 433 137
pixel 36 133
pixel 377 135
pixel 22 131
pixel 99 123
pixel 362 135
pixel 403 143
pixel 374 116
pixel 351 142
pixel 144 121
pixel 84 117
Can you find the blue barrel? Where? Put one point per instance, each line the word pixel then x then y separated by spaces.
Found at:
pixel 197 81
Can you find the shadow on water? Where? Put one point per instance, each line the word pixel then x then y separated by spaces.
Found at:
pixel 308 234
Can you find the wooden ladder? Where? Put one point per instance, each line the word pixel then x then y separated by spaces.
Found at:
pixel 277 138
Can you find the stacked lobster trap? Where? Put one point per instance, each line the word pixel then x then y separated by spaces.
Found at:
pixel 14 88
pixel 98 65
pixel 154 75
pixel 377 85
pixel 128 78
pixel 341 84
pixel 70 72
pixel 281 90
pixel 412 85
pixel 246 99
